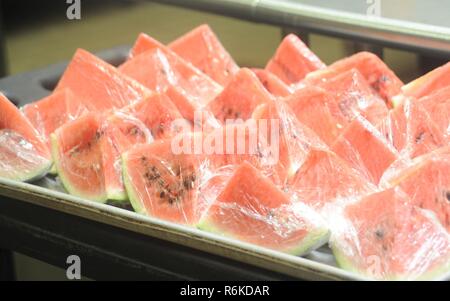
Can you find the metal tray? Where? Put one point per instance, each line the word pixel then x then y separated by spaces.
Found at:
pixel 55 227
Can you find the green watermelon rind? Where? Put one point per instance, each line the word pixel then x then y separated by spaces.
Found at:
pixel 65 181
pixel 39 172
pixel 346 264
pixel 313 240
pixel 129 188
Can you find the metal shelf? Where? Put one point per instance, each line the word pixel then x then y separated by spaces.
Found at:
pixel 339 20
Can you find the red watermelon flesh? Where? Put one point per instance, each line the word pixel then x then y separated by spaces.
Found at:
pixel 364 148
pixel 78 154
pixel 143 44
pixel 316 109
pixel 202 48
pixel 249 198
pixel 383 237
pixel 293 60
pixel 163 183
pixel 240 97
pixel 272 83
pixel 437 106
pixel 426 180
pixel 429 83
pixel 422 133
pixel 23 155
pixel 393 127
pixel 161 70
pixel 51 112
pixel 382 79
pixel 98 85
pixel 325 178
pixel 294 139
pixel 354 96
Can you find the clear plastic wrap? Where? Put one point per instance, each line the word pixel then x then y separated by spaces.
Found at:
pixel 417 127
pixel 272 83
pixel 354 96
pixel 240 97
pixel 99 85
pixel 426 181
pixel 23 155
pixel 364 148
pixel 161 70
pixel 377 74
pixel 384 237
pixel 293 60
pixel 202 48
pixel 51 112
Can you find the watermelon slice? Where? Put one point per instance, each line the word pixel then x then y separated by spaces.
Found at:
pixel 51 112
pixel 240 98
pixel 293 60
pixel 426 180
pixel 161 70
pixel 78 155
pixel 384 237
pixel 427 84
pixel 354 96
pixel 202 48
pixel 252 209
pixel 316 109
pixel 325 178
pixel 364 148
pixel 437 106
pixel 272 83
pixel 162 183
pixel 23 155
pixel 294 139
pixel 382 79
pixel 98 85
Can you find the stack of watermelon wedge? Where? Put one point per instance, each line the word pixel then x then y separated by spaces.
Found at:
pixel 289 157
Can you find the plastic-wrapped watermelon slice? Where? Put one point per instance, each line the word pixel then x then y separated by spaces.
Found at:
pixel 98 85
pixel 53 111
pixel 240 97
pixel 202 48
pixel 293 60
pixel 384 237
pixel 24 156
pixel 252 209
pixel 382 79
pixel 161 70
pixel 426 85
pixel 364 148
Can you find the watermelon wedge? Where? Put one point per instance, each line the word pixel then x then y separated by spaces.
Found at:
pixel 240 97
pixel 78 154
pixel 272 83
pixel 382 79
pixel 383 237
pixel 202 48
pixel 293 60
pixel 162 183
pixel 325 178
pixel 51 112
pixel 354 96
pixel 316 109
pixel 23 155
pixel 364 148
pixel 161 70
pixel 98 85
pixel 426 180
pixel 427 84
pixel 252 209
pixel 294 139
